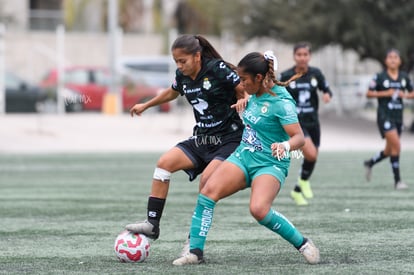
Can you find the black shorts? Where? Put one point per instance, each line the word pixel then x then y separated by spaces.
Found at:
pixel 385 125
pixel 202 150
pixel 314 132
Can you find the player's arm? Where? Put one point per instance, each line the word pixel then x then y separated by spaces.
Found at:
pixel 410 89
pixel 377 94
pixel 410 95
pixel 240 92
pixel 324 87
pixel 165 96
pixel 295 142
pixel 242 98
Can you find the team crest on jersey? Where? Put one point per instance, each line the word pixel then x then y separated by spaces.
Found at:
pixel 206 84
pixel 403 83
pixel 292 84
pixel 386 83
pixel 264 108
pixel 314 82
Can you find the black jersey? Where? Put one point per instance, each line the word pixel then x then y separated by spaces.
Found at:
pixel 390 108
pixel 211 94
pixel 304 91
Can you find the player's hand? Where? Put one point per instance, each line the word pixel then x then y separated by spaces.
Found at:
pixel 137 109
pixel 278 150
pixel 240 105
pixel 396 93
pixel 326 98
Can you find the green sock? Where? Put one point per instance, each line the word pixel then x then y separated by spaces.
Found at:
pixel 201 222
pixel 282 226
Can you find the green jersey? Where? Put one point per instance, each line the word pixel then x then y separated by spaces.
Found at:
pixel 264 118
pixel 390 108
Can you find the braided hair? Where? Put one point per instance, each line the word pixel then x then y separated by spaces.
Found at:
pixel 256 63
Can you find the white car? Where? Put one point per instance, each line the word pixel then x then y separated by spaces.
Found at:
pixel 156 71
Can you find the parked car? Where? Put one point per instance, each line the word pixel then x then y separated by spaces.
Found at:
pixel 92 84
pixel 22 96
pixel 157 71
pixel 72 101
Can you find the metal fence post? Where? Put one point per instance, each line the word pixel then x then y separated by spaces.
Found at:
pixel 2 71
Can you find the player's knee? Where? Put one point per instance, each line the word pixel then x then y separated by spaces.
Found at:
pixel 210 192
pixel 259 212
pixel 164 163
pixel 312 157
pixel 162 174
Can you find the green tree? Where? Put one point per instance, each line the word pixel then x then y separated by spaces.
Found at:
pixel 369 27
pixel 205 16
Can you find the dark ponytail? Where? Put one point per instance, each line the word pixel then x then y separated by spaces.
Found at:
pixel 255 63
pixel 191 44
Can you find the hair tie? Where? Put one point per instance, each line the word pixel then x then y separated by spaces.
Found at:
pixel 269 55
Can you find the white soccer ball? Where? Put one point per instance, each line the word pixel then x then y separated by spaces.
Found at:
pixel 131 247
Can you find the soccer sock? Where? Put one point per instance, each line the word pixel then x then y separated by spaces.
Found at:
pixel 201 222
pixel 395 164
pixel 297 188
pixel 307 169
pixel 377 158
pixel 282 226
pixel 154 210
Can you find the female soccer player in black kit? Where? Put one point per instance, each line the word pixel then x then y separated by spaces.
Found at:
pixel 389 86
pixel 212 88
pixel 304 91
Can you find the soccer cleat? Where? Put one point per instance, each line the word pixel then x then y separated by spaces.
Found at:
pixel 400 186
pixel 188 259
pixel 186 248
pixel 368 170
pixel 146 228
pixel 310 252
pixel 305 188
pixel 298 198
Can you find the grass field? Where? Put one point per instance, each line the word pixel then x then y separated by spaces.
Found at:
pixel 60 214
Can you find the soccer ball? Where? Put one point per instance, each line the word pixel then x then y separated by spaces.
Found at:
pixel 131 247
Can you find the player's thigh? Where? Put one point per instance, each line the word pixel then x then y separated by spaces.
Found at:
pixel 226 180
pixel 208 171
pixel 175 159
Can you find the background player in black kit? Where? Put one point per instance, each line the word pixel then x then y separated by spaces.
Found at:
pixel 212 88
pixel 389 86
pixel 304 91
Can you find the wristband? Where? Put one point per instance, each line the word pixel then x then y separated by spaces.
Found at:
pixel 286 145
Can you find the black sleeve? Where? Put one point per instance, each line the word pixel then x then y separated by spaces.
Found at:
pixel 176 86
pixel 409 86
pixel 323 84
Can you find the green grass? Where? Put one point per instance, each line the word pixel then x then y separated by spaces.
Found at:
pixel 60 214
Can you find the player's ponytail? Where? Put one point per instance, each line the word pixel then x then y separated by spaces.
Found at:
pixel 192 44
pixel 208 50
pixel 265 64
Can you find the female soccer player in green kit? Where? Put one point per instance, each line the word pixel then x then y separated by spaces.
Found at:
pixel 260 162
pixel 388 87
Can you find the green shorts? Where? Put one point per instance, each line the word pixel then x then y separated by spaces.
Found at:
pixel 254 164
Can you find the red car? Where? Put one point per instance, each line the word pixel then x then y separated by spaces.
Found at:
pixel 92 85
